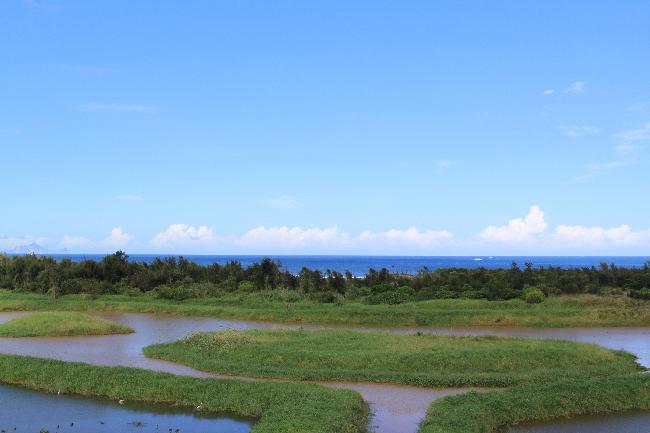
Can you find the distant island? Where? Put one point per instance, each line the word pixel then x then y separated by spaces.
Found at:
pixel 32 248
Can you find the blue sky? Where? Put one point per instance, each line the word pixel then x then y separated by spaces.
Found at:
pixel 448 127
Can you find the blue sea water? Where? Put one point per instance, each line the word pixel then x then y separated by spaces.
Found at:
pixel 359 265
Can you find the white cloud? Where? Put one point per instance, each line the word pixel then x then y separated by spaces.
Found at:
pixel 625 148
pixel 607 165
pixel 638 134
pixel 581 130
pixel 75 241
pixel 332 239
pixel 598 236
pixel 183 235
pixel 128 197
pixel 564 239
pixel 117 239
pixel 294 237
pixel 525 235
pixel 518 229
pixel 445 163
pixel 408 237
pixel 577 87
pixel 549 91
pixel 113 107
pixel 598 168
pixel 281 202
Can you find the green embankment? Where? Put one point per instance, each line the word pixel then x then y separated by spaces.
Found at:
pixel 58 324
pixel 279 407
pixel 490 412
pixel 562 311
pixel 421 360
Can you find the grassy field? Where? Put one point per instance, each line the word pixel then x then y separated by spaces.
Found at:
pixel 279 407
pixel 58 324
pixel 421 360
pixel 490 412
pixel 563 311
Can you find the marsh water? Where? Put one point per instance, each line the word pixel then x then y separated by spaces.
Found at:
pixel 396 409
pixel 66 413
pixel 635 422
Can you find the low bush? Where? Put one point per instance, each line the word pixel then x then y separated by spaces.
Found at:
pixel 640 294
pixel 225 341
pixel 533 295
pixel 181 292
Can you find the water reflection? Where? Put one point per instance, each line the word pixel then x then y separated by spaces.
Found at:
pixel 65 413
pixel 638 422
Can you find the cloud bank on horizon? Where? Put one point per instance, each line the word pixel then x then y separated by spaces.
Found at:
pixel 527 235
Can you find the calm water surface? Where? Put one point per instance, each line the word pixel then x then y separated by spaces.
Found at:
pixel 638 422
pixel 397 409
pixel 65 413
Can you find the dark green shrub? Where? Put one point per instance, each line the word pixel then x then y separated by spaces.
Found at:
pixel 180 292
pixel 393 296
pixel 326 297
pixel 176 293
pixel 284 295
pixel 533 295
pixel 86 285
pixel 247 287
pixel 640 294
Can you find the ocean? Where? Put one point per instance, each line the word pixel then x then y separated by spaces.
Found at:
pixel 359 265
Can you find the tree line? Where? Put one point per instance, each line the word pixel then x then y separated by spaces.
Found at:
pixel 179 278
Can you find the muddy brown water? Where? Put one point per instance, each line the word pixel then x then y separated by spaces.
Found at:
pixel 396 408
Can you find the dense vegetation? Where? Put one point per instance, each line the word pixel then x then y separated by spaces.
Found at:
pixel 411 359
pixel 279 407
pixel 557 311
pixel 59 324
pixel 180 279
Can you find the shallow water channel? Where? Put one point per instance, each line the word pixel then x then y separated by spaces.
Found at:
pixel 635 422
pixel 396 409
pixel 26 411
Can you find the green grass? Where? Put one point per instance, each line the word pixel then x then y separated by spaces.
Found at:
pixel 279 407
pixel 490 412
pixel 563 311
pixel 58 324
pixel 421 360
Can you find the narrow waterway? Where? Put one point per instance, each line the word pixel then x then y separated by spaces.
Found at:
pixel 69 414
pixel 396 408
pixel 635 422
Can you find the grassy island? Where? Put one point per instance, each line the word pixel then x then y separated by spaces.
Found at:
pixel 493 411
pixel 415 359
pixel 59 324
pixel 278 407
